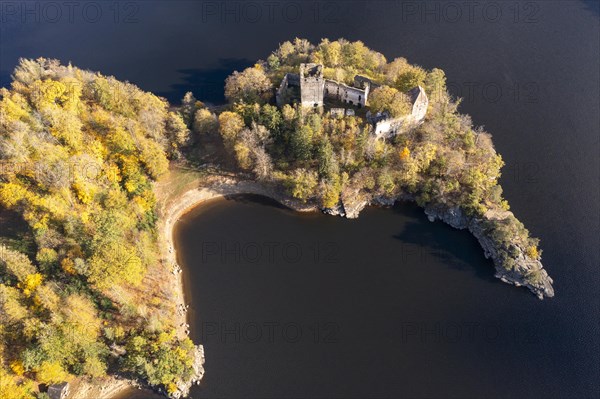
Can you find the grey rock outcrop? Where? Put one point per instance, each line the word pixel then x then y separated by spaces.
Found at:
pixel 354 207
pixel 183 388
pixel 353 201
pixel 524 266
pixel 381 200
pixel 518 269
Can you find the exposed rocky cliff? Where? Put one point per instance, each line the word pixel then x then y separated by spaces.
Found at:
pixel 519 269
pixel 512 264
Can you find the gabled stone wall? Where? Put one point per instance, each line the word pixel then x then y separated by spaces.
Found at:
pixel 386 128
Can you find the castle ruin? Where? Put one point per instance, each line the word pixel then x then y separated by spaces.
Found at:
pixel 314 88
pixel 384 126
pixel 310 87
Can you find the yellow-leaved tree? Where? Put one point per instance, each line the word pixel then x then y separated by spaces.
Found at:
pixel 79 153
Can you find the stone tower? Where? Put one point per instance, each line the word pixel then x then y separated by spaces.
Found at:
pixel 312 85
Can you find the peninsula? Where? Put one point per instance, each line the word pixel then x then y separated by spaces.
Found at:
pixel 94 172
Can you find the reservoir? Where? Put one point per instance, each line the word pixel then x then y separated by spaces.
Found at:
pixel 388 305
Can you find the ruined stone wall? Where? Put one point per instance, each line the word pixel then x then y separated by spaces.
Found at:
pixel 332 89
pixel 312 85
pixel 281 92
pixel 390 127
pixel 420 104
pixel 347 94
pixel 312 92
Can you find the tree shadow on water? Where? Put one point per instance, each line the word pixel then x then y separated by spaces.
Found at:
pixel 437 241
pixel 255 199
pixel 207 84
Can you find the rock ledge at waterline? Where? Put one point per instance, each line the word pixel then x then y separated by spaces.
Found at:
pixel 516 275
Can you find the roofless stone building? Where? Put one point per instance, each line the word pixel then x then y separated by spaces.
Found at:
pixel 311 88
pixel 312 85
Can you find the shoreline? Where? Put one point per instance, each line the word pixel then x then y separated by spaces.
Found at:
pixel 174 206
pixel 112 388
pixel 171 212
pixel 215 186
pixel 192 198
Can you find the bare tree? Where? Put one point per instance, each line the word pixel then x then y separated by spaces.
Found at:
pixel 263 166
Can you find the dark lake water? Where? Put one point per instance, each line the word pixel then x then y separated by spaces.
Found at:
pixel 529 72
pixel 389 305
